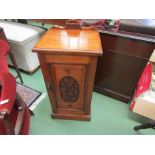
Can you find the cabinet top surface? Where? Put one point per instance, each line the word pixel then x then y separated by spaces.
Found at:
pixel 70 41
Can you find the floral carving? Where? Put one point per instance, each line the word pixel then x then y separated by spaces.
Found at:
pixel 69 89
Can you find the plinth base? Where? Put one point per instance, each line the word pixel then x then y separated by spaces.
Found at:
pixel 71 117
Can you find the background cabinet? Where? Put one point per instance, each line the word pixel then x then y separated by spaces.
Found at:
pixel 120 67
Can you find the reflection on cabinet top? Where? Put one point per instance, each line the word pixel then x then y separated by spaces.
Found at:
pixel 70 41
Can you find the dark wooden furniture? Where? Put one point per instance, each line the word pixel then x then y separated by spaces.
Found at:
pixel 142 26
pixel 125 55
pixel 68 60
pixel 2 36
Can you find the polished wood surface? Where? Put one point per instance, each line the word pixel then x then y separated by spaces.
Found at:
pixel 70 41
pixel 69 68
pixel 120 67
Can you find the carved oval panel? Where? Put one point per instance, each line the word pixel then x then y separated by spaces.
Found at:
pixel 69 89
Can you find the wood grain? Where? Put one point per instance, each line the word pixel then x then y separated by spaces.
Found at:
pixel 70 41
pixel 122 63
pixel 76 61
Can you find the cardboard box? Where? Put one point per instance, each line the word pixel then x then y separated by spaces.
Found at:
pixel 153 66
pixel 152 58
pixel 145 105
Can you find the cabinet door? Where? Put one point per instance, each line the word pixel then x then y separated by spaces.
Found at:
pixel 68 82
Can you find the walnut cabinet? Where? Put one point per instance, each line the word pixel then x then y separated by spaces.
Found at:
pixel 68 59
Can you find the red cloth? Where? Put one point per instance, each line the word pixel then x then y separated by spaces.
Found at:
pixel 4 48
pixel 13 117
pixel 8 91
pixel 3 65
pixel 143 84
pixel 100 25
pixel 26 123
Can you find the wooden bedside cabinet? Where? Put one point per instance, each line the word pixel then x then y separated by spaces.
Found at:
pixel 68 60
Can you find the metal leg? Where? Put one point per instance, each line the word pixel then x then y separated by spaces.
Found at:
pixel 145 126
pixel 16 67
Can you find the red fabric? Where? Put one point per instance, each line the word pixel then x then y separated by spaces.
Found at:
pixel 100 25
pixel 26 123
pixel 143 84
pixel 8 92
pixel 3 66
pixel 4 48
pixel 13 117
pixel 7 80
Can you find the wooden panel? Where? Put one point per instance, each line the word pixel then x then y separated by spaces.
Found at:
pixel 127 46
pixel 141 26
pixel 118 74
pixel 120 67
pixel 90 76
pixel 65 59
pixel 70 41
pixel 48 81
pixel 73 85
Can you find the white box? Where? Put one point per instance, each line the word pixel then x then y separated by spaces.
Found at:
pixel 152 58
pixel 22 39
pixel 145 104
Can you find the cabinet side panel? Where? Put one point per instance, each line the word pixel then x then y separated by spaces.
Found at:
pixel 48 81
pixel 90 76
